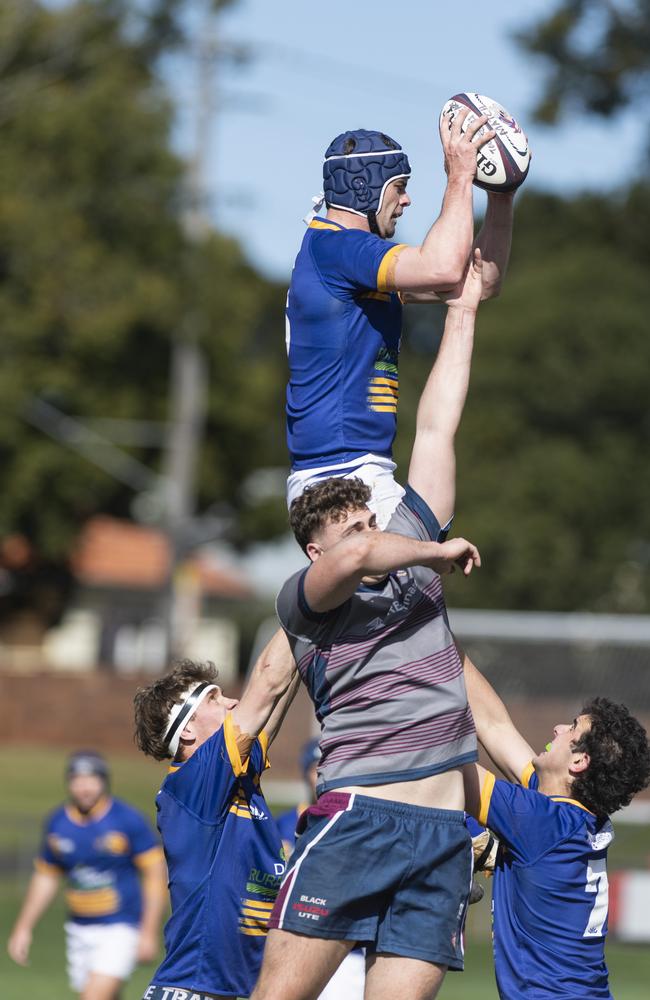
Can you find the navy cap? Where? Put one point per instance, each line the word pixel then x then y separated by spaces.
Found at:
pixel 87 762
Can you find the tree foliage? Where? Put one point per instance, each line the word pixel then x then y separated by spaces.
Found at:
pixel 552 483
pixel 97 275
pixel 96 272
pixel 598 56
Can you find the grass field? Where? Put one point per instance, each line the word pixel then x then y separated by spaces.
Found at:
pixel 32 785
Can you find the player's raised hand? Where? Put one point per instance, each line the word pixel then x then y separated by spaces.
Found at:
pixel 460 148
pixel 455 552
pixel 467 295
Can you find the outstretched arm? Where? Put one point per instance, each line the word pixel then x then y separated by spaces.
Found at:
pixel 338 571
pixel 494 727
pixel 432 472
pixel 438 264
pixel 272 685
pixel 154 904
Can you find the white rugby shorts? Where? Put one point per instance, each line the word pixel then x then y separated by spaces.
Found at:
pixel 374 470
pixel 107 949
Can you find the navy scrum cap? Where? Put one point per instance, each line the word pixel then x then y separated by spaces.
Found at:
pixel 358 167
pixel 86 762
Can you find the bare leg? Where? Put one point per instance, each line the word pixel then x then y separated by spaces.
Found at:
pixel 389 977
pixel 297 967
pixel 100 987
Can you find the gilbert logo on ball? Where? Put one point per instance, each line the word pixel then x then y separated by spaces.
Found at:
pixel 502 164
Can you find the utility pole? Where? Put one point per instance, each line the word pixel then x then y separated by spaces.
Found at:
pixel 188 386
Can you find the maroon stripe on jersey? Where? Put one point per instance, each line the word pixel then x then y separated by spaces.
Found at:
pixel 414 735
pixel 438 668
pixel 344 653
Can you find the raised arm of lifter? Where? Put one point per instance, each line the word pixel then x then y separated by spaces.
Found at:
pixel 272 685
pixel 494 241
pixel 432 472
pixel 438 264
pixel 369 555
pixel 495 729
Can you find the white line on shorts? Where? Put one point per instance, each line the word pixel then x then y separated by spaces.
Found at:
pixel 294 870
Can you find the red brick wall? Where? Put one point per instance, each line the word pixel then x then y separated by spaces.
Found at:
pixel 98 709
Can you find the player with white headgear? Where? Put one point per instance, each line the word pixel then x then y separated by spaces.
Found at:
pixel 223 849
pixel 344 307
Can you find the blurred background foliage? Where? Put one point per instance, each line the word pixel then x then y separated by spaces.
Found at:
pixel 97 274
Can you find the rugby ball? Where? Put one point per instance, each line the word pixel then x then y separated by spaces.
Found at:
pixel 502 164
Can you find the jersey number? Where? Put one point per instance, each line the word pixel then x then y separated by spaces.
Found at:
pixel 597 883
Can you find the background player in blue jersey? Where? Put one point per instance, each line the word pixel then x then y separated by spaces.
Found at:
pixel 223 849
pixel 385 857
pixel 115 872
pixel 344 307
pixel 550 898
pixel 287 821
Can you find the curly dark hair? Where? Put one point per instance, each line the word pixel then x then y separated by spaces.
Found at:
pixel 153 704
pixel 619 758
pixel 329 500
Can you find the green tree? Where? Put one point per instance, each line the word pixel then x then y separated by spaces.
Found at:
pixel 552 478
pixel 597 54
pixel 96 271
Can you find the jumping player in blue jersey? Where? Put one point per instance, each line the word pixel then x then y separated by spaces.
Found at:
pixel 344 307
pixel 549 897
pixel 115 871
pixel 384 859
pixel 223 849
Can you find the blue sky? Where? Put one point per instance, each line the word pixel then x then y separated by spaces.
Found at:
pixel 318 70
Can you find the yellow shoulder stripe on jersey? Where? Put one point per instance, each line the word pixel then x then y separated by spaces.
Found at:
pixel 527 774
pixel 573 802
pixel 320 224
pixel 253 931
pixel 486 795
pixel 45 868
pixel 384 409
pixel 386 272
pixel 238 765
pixel 264 743
pixel 148 858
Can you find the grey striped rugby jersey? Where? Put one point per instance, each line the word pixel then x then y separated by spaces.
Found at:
pixel 383 672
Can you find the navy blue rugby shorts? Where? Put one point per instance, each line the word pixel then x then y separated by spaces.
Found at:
pixel 393 877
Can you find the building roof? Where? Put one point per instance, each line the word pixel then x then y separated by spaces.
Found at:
pixel 115 553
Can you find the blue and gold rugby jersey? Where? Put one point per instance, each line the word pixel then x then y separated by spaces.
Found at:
pixel 100 854
pixel 343 337
pixel 225 863
pixel 549 897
